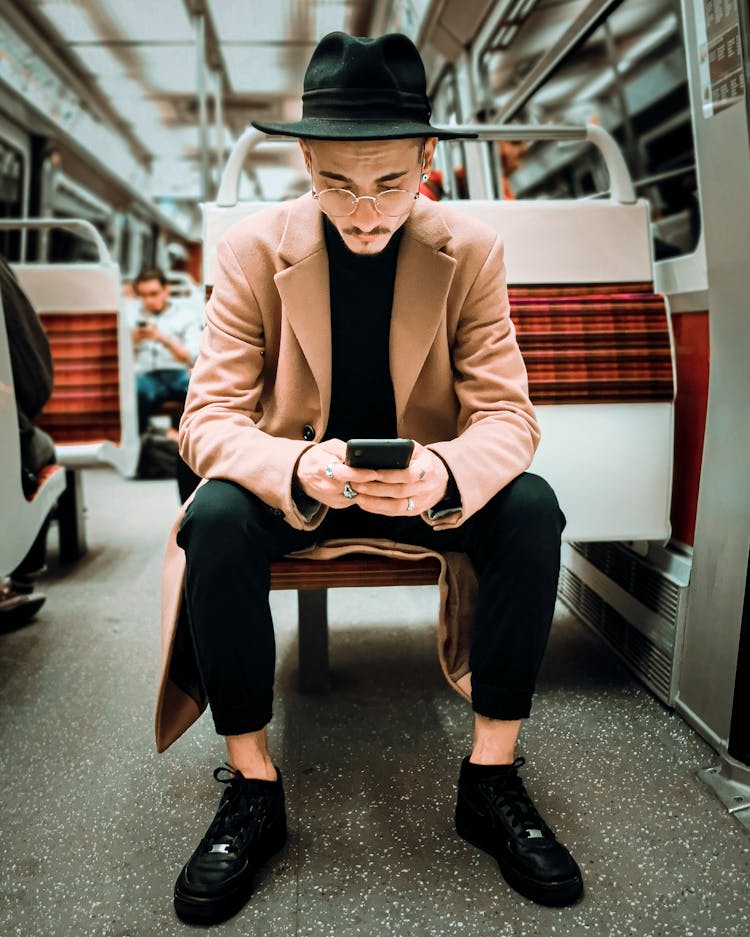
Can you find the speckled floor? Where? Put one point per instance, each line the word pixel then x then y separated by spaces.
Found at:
pixel 95 825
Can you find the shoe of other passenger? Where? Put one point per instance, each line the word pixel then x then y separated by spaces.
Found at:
pixel 249 827
pixel 495 813
pixel 17 606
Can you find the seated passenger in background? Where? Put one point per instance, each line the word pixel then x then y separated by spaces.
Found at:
pixel 371 313
pixel 166 338
pixel 31 363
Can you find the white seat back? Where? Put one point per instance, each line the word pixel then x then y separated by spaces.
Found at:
pixel 80 290
pixel 21 519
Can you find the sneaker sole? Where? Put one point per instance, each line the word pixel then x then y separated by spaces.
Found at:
pixel 555 894
pixel 193 910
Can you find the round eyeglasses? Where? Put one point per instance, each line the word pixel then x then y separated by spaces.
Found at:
pixel 341 202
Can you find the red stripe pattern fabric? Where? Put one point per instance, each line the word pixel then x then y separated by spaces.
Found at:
pixel 594 343
pixel 43 475
pixel 85 402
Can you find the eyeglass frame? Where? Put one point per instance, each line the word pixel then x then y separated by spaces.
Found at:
pixel 372 198
pixel 360 198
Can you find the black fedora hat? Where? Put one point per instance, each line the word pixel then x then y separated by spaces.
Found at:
pixel 363 89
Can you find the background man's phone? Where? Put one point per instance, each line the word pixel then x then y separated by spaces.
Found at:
pixel 379 453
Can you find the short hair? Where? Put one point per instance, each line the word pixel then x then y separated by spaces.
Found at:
pixel 150 273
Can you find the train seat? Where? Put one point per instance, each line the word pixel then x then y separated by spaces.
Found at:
pixel 598 347
pixel 91 414
pixel 21 516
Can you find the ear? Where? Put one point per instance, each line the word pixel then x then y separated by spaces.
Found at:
pixel 429 151
pixel 305 154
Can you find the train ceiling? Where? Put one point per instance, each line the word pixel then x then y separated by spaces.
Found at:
pixel 138 60
pixel 141 57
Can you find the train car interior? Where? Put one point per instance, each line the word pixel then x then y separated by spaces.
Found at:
pixel 607 142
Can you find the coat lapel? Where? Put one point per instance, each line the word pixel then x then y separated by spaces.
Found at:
pixel 305 293
pixel 423 278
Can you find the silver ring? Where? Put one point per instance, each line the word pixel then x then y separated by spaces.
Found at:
pixel 410 504
pixel 329 470
pixel 349 492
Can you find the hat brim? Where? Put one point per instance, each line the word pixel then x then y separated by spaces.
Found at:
pixel 326 128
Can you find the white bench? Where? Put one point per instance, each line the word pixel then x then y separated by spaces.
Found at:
pixel 91 415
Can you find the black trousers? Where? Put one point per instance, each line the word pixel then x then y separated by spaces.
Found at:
pixel 230 538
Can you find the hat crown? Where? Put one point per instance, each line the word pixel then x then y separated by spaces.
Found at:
pixel 380 78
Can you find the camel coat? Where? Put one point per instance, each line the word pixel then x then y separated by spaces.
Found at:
pixel 261 387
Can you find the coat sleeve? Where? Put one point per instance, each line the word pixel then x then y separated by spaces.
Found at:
pixel 219 437
pixel 497 428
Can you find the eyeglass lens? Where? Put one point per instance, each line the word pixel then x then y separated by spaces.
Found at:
pixel 342 202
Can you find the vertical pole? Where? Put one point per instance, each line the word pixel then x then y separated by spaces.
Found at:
pixel 314 675
pixel 219 126
pixel 200 59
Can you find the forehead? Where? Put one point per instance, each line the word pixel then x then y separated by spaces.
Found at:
pixel 148 286
pixel 364 156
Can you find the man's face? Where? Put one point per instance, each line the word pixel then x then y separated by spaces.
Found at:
pixel 368 167
pixel 152 294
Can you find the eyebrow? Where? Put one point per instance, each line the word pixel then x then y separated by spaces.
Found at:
pixel 387 178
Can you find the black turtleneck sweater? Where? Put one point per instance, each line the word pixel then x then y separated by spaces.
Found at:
pixel 362 401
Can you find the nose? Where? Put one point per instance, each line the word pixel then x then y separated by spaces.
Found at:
pixel 366 216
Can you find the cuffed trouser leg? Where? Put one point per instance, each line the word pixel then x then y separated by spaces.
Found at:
pixel 230 538
pixel 515 547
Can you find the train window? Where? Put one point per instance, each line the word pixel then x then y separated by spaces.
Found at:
pixel 629 75
pixel 11 197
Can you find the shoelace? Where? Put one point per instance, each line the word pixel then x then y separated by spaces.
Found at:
pixel 236 811
pixel 507 794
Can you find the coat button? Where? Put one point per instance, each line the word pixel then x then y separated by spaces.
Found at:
pixel 278 513
pixel 308 432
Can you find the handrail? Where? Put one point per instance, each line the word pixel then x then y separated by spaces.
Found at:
pixel 621 185
pixel 69 224
pixel 230 179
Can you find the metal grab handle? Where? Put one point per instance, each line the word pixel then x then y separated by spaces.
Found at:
pixel 69 224
pixel 230 179
pixel 621 185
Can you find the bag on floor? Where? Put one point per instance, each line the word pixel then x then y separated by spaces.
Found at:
pixel 158 458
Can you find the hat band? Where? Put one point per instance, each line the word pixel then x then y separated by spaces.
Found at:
pixel 361 103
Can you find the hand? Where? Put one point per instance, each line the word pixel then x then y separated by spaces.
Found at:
pixel 144 332
pixel 312 478
pixel 391 491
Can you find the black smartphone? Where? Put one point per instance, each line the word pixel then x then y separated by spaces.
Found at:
pixel 379 453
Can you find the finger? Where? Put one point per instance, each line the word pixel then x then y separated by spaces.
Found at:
pixel 381 490
pixel 336 448
pixel 391 507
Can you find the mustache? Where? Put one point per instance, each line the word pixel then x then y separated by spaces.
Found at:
pixel 375 231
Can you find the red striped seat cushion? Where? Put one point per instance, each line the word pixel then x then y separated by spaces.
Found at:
pixel 605 343
pixel 85 402
pixel 43 475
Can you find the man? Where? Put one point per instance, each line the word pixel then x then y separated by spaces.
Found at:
pixel 166 338
pixel 362 311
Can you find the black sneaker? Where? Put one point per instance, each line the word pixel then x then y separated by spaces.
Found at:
pixel 249 827
pixel 496 814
